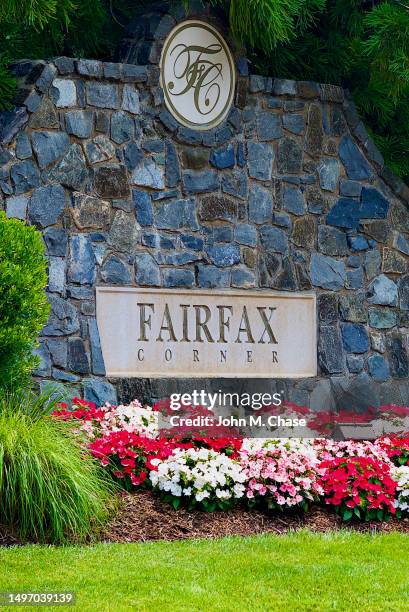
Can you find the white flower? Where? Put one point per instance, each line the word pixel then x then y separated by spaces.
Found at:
pixel 200 474
pixel 401 476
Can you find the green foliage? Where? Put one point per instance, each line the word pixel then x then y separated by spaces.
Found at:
pixel 45 28
pixel 265 23
pixel 363 46
pixel 360 44
pixel 50 489
pixel 23 303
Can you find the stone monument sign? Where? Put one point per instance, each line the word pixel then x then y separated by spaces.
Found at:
pixel 161 333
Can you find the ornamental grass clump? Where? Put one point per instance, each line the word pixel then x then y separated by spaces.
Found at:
pixel 199 478
pixel 51 489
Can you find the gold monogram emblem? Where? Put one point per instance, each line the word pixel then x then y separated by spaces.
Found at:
pixel 197 75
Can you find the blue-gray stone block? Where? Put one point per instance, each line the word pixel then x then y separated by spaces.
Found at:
pixel 81 267
pixel 79 123
pixel 404 292
pixel 355 363
pixel 242 277
pixel 176 214
pixel 16 207
pixel 222 233
pixel 44 366
pixel 241 154
pixel 354 279
pixel 143 207
pixel 223 158
pixel 200 182
pixel 58 352
pixel 25 176
pixel 23 147
pixel 146 270
pixel 11 122
pixel 327 272
pixel 354 261
pixel 260 159
pixel 56 275
pixel 97 360
pixel 354 338
pixel 246 234
pixel 282 219
pixel 358 243
pixel 268 126
pixel 211 277
pixel 332 241
pixel 373 204
pixel 260 205
pixel 350 189
pixel 273 239
pixel 176 277
pixel 383 291
pixel 328 173
pixel 294 123
pixel 356 166
pixel 46 204
pixel 102 95
pixel 224 255
pixel 49 146
pixel 235 184
pixel 158 241
pixel 283 87
pixel 172 166
pixel 192 242
pixel 382 318
pixel 56 241
pixel 63 319
pixel 401 244
pixel 99 391
pixel 372 263
pixel 345 213
pixel 122 127
pixel 115 272
pixel 378 368
pixel 294 201
pixel 77 356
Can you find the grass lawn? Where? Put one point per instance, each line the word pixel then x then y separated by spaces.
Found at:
pixel 301 571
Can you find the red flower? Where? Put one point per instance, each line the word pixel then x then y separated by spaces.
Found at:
pixel 360 486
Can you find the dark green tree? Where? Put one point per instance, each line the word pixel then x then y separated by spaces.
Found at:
pixel 362 45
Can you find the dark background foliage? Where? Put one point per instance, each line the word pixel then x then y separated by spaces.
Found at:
pixel 362 45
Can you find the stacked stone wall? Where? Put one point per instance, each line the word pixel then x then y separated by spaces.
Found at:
pixel 289 194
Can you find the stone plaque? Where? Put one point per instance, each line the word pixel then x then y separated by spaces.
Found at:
pixel 197 75
pixel 162 333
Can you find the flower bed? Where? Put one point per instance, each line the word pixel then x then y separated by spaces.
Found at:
pixel 199 469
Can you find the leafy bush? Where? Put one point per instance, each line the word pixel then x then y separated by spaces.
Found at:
pixel 51 489
pixel 23 303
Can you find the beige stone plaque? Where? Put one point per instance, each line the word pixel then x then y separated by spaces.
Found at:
pixel 164 333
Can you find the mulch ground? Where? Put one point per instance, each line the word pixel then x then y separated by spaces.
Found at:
pixel 144 517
